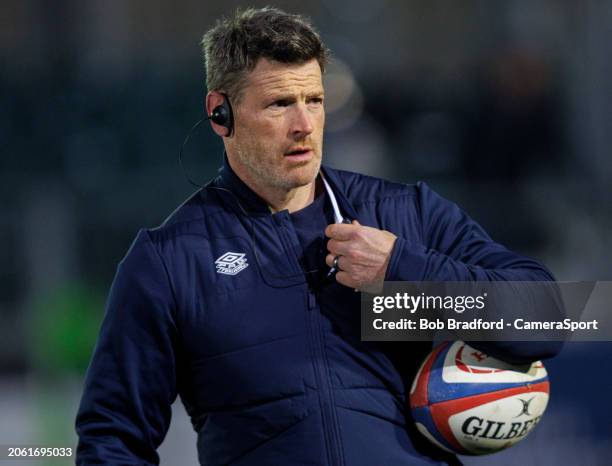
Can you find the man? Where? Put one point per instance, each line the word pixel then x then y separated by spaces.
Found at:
pixel 243 302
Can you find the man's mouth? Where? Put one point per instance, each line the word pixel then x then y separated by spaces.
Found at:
pixel 296 152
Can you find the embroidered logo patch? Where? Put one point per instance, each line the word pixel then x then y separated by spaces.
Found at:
pixel 231 263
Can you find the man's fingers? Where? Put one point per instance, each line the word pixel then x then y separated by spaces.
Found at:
pixel 340 231
pixel 338 248
pixel 344 278
pixel 343 263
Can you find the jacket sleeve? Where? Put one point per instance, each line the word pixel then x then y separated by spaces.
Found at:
pixel 456 248
pixel 130 385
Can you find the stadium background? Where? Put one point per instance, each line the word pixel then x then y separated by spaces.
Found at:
pixel 503 107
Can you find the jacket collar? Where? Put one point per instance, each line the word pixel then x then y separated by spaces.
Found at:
pixel 249 200
pixel 337 187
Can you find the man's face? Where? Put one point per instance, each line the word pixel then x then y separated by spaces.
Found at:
pixel 279 123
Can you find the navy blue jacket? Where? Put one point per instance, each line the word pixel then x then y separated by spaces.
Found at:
pixel 271 371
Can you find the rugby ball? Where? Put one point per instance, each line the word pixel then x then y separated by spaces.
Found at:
pixel 469 403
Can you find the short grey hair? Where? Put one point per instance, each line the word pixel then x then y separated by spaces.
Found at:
pixel 234 45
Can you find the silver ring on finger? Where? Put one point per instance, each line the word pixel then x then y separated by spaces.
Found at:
pixel 335 264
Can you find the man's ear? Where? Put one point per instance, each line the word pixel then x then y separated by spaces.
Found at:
pixel 213 100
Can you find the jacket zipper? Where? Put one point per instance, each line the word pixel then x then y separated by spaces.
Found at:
pixel 321 366
pixel 330 423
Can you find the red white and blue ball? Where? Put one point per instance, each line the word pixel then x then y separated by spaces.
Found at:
pixel 467 402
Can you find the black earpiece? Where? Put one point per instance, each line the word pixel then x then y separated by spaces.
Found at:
pixel 223 116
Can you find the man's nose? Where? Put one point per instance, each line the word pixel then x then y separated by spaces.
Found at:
pixel 301 124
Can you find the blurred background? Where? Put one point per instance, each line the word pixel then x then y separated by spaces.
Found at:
pixel 503 107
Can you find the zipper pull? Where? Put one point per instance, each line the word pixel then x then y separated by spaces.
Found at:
pixel 312 300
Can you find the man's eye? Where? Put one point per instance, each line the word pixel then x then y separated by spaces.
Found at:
pixel 280 103
pixel 316 100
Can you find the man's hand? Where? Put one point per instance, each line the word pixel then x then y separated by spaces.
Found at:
pixel 363 255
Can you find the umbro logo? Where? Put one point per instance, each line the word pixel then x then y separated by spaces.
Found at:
pixel 231 263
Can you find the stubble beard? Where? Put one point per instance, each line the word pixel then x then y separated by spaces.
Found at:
pixel 252 157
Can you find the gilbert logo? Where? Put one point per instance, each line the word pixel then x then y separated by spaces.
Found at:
pixel 231 263
pixel 526 404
